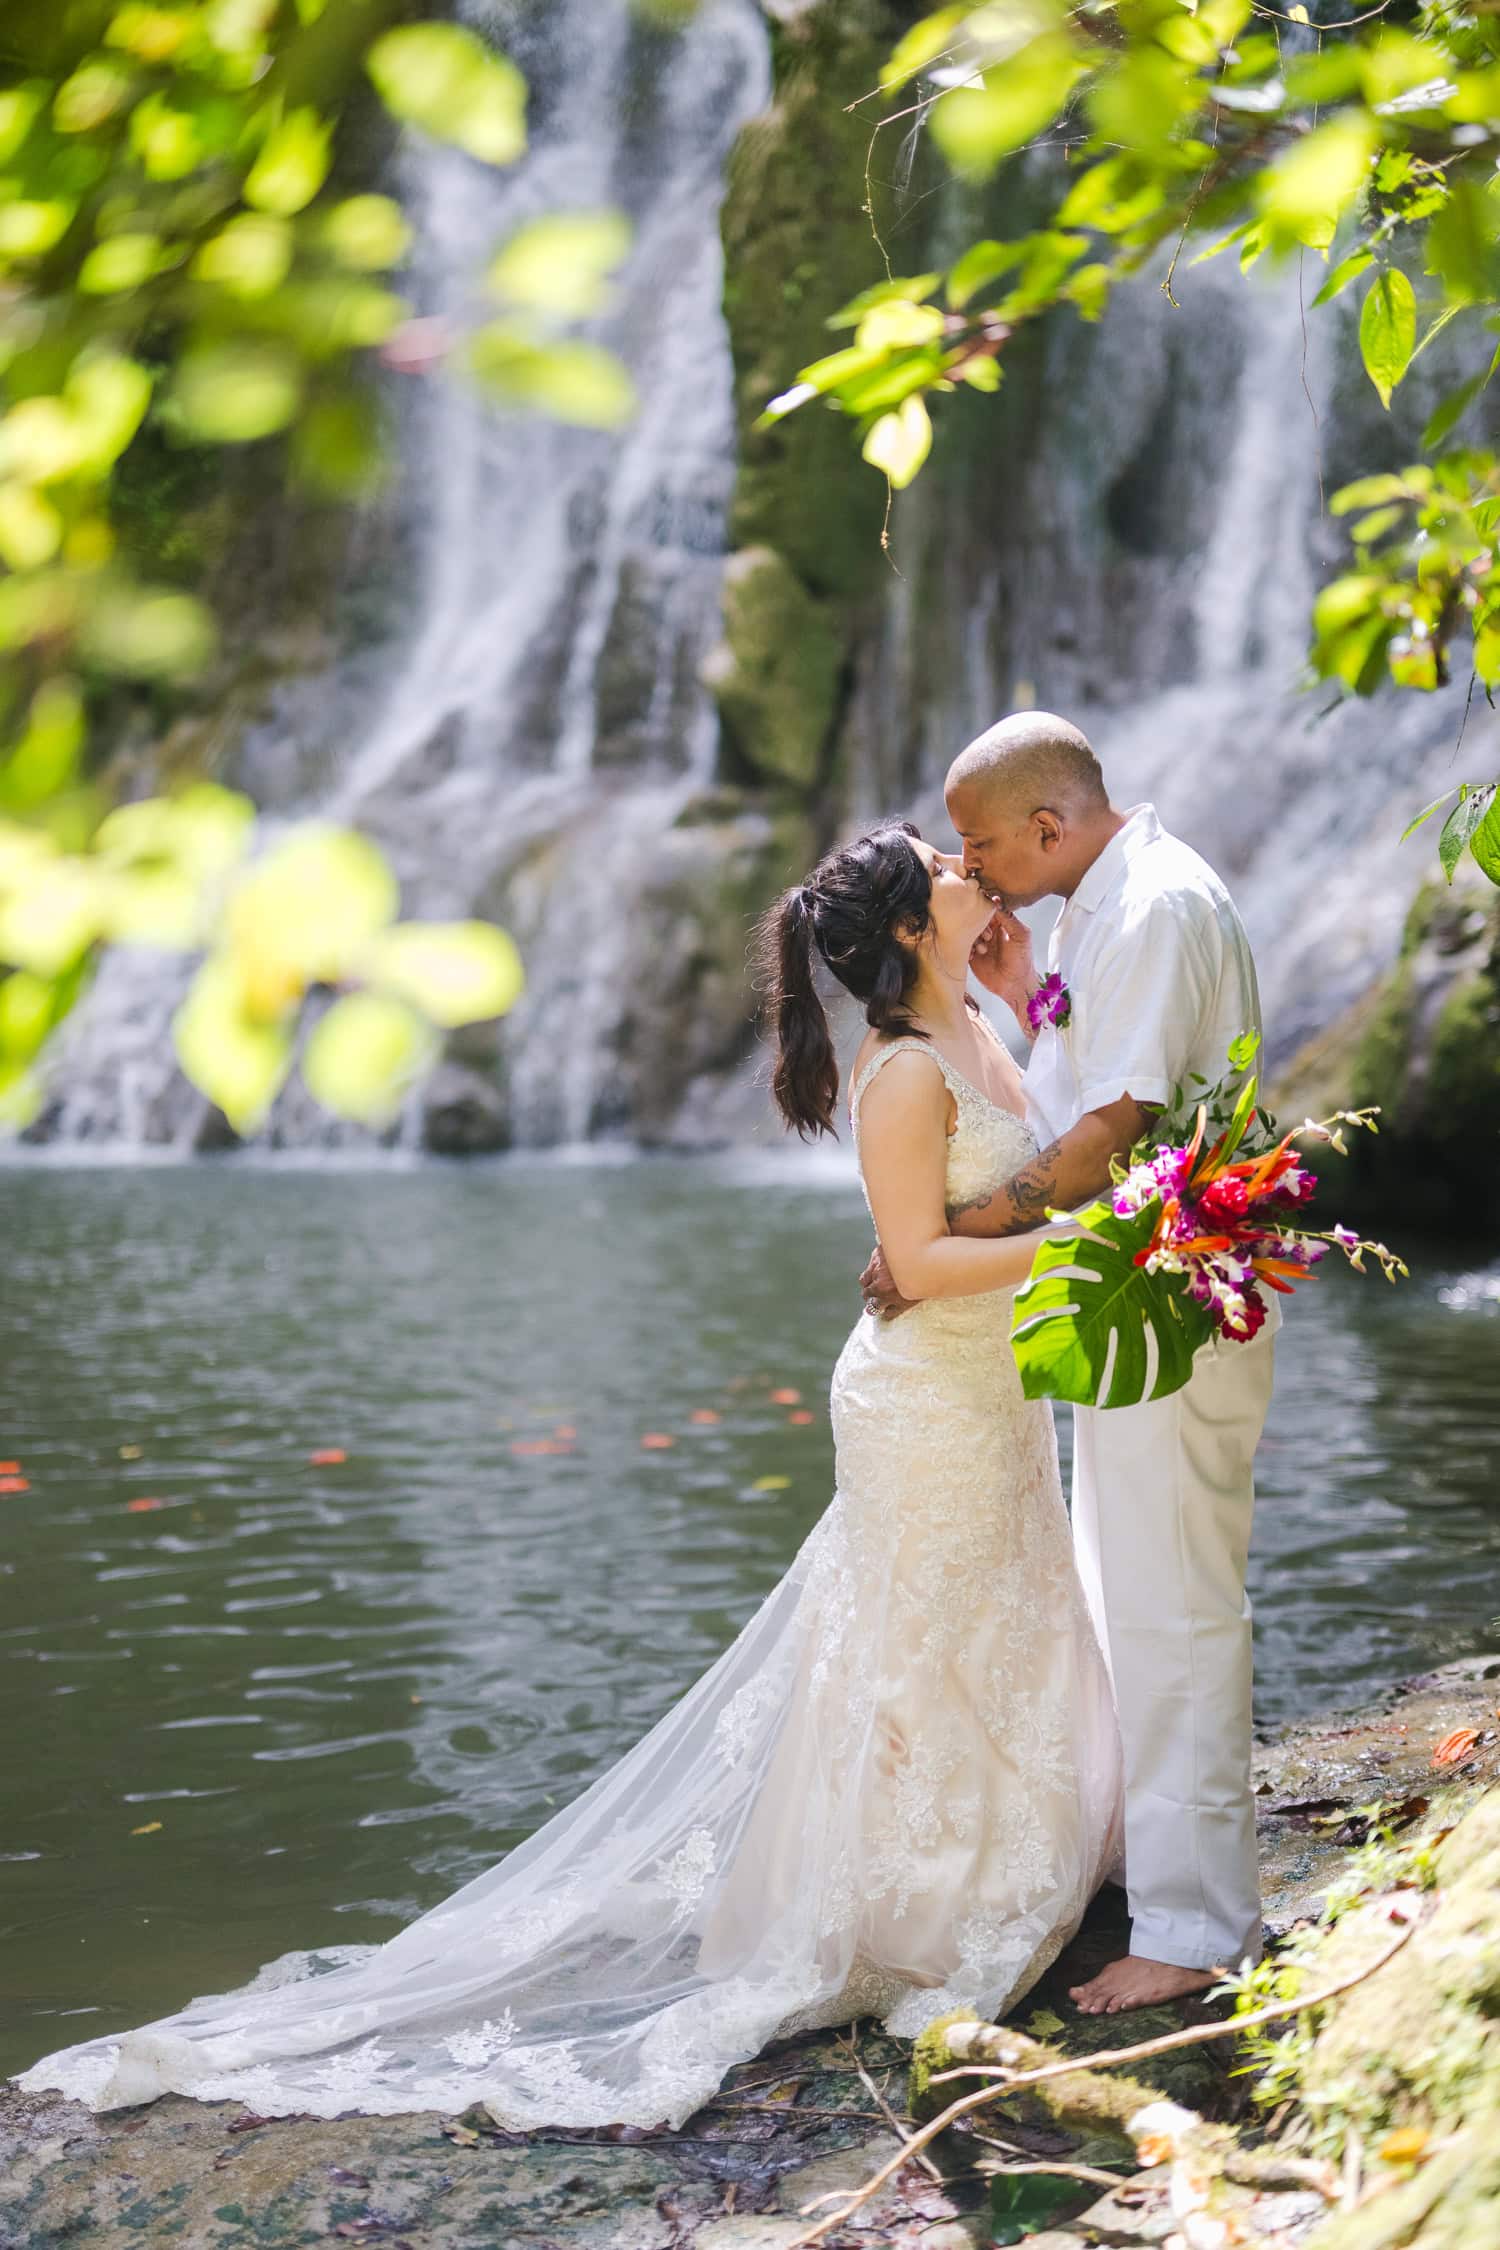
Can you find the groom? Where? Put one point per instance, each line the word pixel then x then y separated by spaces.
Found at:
pixel 1160 980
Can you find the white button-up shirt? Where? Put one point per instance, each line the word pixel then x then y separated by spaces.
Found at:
pixel 1160 977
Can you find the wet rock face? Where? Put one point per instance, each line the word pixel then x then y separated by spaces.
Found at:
pixel 464 1113
pixel 801 2120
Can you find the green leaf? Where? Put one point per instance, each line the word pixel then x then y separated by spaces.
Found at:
pixel 363 1057
pixel 337 446
pixel 897 325
pixel 454 972
pixel 1347 270
pixel 441 77
pixel 1472 807
pixel 1026 2203
pixel 1086 1312
pixel 1388 330
pixel 1484 844
pixel 981 262
pixel 292 165
pixel 900 441
pixel 977 126
pixel 1487 652
pixel 1375 525
pixel 561 262
pixel 30 229
pixel 1425 814
pixel 1450 409
pixel 18 109
pixel 50 914
pixel 1371 492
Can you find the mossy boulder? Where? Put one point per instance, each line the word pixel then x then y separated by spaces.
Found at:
pixel 1423 1046
pixel 775 673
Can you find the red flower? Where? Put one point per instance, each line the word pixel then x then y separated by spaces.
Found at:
pixel 1222 1202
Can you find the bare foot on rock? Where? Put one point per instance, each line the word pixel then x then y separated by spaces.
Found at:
pixel 1137 1983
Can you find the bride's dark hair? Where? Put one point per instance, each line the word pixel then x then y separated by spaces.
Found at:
pixel 847 911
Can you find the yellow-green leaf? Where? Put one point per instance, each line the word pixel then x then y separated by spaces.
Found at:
pixel 96 90
pixel 313 904
pixel 443 78
pixel 18 110
pixel 50 914
pixel 107 396
pixel 1305 192
pixel 363 1057
pixel 238 1062
pixel 249 257
pixel 122 261
pixel 144 632
pixel 577 382
pixel 897 324
pixel 232 394
pixel 900 441
pixel 45 760
pixel 30 229
pixel 976 126
pixel 560 263
pixel 923 44
pixel 454 972
pixel 30 527
pixel 292 165
pixel 367 232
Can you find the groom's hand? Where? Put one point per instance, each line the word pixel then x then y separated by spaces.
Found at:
pixel 880 1293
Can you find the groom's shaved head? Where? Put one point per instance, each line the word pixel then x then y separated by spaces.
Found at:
pixel 1030 760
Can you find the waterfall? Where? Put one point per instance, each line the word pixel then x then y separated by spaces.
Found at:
pixel 1132 533
pixel 540 722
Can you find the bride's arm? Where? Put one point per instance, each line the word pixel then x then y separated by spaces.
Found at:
pixel 903 1142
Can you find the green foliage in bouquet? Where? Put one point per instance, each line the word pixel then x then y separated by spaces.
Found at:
pixel 1194 1230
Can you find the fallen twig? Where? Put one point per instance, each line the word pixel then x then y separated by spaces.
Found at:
pixel 1004 2081
pixel 885 2108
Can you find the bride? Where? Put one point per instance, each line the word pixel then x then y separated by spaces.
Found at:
pixel 894 1793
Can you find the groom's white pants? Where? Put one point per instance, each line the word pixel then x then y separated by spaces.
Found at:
pixel 1162 1499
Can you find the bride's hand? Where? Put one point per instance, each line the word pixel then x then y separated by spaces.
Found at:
pixel 880 1293
pixel 1004 963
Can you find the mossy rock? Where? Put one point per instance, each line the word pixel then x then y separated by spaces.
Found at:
pixel 798 243
pixel 775 674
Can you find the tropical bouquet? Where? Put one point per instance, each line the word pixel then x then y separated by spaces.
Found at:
pixel 1206 1216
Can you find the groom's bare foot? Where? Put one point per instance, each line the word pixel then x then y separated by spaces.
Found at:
pixel 1137 1983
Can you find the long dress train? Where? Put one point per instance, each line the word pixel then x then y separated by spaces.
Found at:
pixel 893 1794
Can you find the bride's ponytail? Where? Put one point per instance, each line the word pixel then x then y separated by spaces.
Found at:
pixel 805 1079
pixel 848 913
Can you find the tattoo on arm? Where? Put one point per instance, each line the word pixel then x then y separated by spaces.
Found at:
pixel 1034 1189
pixel 1030 1195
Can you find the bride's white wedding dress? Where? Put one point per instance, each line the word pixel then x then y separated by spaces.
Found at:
pixel 895 1793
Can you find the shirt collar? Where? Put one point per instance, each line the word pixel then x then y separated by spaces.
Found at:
pixel 1141 828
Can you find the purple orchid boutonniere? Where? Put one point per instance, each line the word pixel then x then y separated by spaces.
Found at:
pixel 1050 1003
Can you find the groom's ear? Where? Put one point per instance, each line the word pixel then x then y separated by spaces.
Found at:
pixel 1049 829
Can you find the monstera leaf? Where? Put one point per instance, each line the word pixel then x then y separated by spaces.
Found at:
pixel 1082 1320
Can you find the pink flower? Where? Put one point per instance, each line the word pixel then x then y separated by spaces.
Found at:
pixel 1050 1003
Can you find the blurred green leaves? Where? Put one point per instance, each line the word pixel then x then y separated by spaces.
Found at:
pixel 179 248
pixel 441 77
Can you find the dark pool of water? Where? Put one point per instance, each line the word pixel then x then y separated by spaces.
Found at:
pixel 343 1689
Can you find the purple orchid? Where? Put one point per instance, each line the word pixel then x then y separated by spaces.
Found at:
pixel 1050 1003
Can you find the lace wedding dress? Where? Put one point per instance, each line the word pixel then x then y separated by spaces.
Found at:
pixel 893 1794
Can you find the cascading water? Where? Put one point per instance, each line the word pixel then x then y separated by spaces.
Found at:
pixel 1132 534
pixel 541 722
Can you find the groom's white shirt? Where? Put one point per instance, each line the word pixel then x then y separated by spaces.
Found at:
pixel 1159 974
pixel 1160 977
